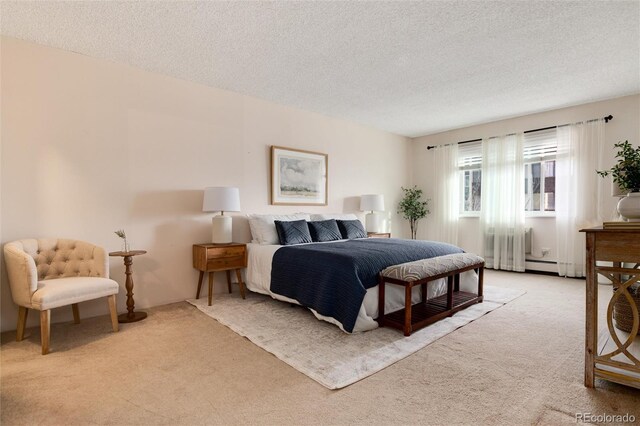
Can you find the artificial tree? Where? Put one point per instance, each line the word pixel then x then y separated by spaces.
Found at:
pixel 413 208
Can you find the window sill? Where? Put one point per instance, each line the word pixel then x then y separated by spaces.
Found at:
pixel 551 215
pixel 526 215
pixel 465 215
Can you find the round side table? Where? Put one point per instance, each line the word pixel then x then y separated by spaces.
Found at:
pixel 131 315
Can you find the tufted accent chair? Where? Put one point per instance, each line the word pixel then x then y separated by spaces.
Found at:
pixel 49 273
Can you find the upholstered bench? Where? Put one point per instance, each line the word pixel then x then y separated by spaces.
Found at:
pixel 421 272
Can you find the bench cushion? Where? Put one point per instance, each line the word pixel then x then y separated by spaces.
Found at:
pixel 419 269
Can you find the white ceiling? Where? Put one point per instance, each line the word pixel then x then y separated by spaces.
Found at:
pixel 411 68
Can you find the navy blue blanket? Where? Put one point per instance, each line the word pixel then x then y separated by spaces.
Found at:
pixel 332 278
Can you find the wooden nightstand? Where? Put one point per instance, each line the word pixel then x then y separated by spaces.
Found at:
pixel 219 257
pixel 379 234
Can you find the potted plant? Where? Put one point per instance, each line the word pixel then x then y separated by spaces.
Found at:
pixel 626 174
pixel 413 208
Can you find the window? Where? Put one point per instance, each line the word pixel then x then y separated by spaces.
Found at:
pixel 540 186
pixel 540 171
pixel 470 166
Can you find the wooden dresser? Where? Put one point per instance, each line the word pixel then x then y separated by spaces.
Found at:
pixel 619 360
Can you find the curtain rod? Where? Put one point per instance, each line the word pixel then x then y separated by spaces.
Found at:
pixel 606 120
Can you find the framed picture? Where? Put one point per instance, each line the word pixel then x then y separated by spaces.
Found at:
pixel 298 178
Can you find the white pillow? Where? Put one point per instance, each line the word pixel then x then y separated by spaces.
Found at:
pixel 263 230
pixel 337 216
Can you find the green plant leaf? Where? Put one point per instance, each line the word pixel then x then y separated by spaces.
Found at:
pixel 626 172
pixel 413 208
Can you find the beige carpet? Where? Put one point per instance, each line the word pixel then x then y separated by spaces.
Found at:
pixel 321 350
pixel 520 364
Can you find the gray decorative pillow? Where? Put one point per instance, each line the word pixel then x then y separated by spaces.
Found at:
pixel 351 229
pixel 324 230
pixel 293 232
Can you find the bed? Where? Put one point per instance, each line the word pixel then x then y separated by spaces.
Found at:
pixel 293 274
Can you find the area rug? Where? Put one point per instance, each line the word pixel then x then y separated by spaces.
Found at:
pixel 321 350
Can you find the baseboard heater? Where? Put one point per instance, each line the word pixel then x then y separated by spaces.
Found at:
pixel 546 262
pixel 490 236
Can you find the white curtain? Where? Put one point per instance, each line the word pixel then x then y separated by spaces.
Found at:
pixel 502 198
pixel 445 200
pixel 579 191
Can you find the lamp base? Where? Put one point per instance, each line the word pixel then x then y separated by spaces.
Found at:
pixel 221 230
pixel 374 222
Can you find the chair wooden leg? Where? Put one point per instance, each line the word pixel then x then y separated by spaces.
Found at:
pixel 45 329
pixel 112 310
pixel 76 313
pixel 22 320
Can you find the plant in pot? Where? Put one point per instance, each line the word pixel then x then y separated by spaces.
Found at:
pixel 413 208
pixel 626 174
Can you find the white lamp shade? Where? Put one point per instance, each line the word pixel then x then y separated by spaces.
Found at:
pixel 221 199
pixel 372 203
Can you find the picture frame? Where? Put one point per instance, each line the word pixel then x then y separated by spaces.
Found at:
pixel 298 177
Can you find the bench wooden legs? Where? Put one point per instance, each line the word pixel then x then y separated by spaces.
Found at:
pixel 414 317
pixel 407 311
pixel 380 302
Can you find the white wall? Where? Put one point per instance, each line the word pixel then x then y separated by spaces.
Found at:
pixel 90 146
pixel 624 126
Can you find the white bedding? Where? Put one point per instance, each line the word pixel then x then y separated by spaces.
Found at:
pixel 259 281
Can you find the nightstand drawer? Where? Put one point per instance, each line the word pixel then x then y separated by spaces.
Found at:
pixel 219 257
pixel 225 251
pixel 229 262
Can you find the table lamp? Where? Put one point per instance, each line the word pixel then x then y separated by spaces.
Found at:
pixel 221 199
pixel 373 203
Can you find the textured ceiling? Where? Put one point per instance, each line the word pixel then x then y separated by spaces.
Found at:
pixel 411 68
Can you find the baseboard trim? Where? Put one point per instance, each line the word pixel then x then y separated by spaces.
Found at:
pixel 533 271
pixel 542 266
pixel 550 262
